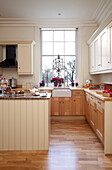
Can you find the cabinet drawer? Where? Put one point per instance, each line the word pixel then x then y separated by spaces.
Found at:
pixel 76 93
pixel 99 105
pixel 87 97
pixel 92 100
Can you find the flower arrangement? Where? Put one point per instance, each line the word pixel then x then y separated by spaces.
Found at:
pixel 55 80
pixel 72 83
pixel 42 83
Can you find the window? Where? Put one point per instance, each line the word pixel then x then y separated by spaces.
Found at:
pixel 58 42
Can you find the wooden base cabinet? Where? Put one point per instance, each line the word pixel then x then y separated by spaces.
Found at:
pixel 100 119
pixel 61 106
pixel 77 103
pixel 95 115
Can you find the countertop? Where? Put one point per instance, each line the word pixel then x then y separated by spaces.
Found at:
pixel 99 96
pixel 26 97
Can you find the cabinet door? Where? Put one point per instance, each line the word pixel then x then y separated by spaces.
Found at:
pixel 78 105
pixel 65 106
pixel 93 120
pixel 104 48
pixel 100 120
pixel 55 106
pixel 92 58
pixel 110 46
pixel 25 59
pixel 87 105
pixel 97 54
pixel 1 58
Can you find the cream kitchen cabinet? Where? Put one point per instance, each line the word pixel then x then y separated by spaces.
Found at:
pixel 25 59
pixel 110 46
pixel 97 54
pixel 104 49
pixel 101 52
pixel 92 58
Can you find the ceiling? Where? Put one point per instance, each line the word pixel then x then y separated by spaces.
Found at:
pixel 51 9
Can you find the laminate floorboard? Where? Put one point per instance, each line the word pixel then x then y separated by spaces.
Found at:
pixel 73 146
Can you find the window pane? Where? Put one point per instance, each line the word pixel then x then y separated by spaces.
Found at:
pixel 47 35
pixel 70 35
pixel 70 63
pixel 70 48
pixel 47 48
pixel 58 48
pixel 58 35
pixel 47 62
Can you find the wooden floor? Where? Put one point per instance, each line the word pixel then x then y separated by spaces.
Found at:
pixel 73 145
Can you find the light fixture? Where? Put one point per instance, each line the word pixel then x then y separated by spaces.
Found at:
pixel 58 65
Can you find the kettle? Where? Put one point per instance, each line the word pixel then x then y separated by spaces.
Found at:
pixel 13 82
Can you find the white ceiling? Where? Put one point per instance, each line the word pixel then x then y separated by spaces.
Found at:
pixel 47 9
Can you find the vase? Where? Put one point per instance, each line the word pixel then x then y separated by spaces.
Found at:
pixel 60 84
pixel 72 84
pixel 55 84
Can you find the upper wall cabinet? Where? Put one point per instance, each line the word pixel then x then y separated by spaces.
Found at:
pixel 25 59
pixel 101 54
pixel 92 58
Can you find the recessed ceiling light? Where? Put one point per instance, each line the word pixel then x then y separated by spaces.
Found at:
pixel 59 13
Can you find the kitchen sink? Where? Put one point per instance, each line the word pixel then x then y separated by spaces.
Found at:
pixel 62 92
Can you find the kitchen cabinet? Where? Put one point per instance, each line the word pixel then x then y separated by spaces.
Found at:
pixel 77 103
pixel 100 119
pixel 25 59
pixel 95 115
pixel 92 58
pixel 61 106
pixel 104 49
pixel 1 54
pixel 87 106
pixel 101 52
pixel 97 55
pixel 110 45
pixel 93 118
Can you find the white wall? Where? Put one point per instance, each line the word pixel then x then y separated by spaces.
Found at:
pixel 33 33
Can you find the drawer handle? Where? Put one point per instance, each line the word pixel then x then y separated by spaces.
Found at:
pixel 94 110
pixel 108 61
pixel 77 93
pixel 99 64
pixel 99 102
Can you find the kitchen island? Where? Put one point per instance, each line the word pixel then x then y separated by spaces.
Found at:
pixel 24 122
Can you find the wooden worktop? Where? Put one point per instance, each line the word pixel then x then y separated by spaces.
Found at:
pixel 92 92
pixel 99 96
pixel 26 97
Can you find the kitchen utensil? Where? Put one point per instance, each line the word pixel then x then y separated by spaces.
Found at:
pixel 13 82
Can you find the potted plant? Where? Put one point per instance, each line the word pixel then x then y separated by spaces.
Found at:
pixel 72 83
pixel 61 80
pixel 42 83
pixel 55 80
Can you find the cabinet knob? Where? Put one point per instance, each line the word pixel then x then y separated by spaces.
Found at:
pixel 99 64
pixel 74 100
pixel 19 67
pixel 108 61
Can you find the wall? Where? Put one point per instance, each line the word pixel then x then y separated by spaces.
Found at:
pixel 33 33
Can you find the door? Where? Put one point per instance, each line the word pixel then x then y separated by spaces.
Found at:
pixel 104 49
pixel 92 58
pixel 93 121
pixel 55 106
pixel 77 105
pixel 25 59
pixel 100 120
pixel 97 54
pixel 65 106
